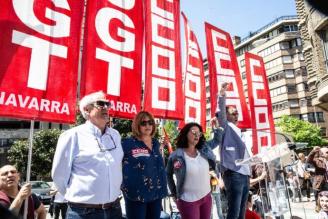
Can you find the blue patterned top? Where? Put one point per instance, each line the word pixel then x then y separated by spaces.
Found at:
pixel 144 177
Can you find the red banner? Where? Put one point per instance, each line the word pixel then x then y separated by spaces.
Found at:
pixel 39 41
pixel 112 59
pixel 223 67
pixel 194 80
pixel 163 87
pixel 263 130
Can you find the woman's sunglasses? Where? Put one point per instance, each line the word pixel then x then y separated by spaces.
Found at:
pixel 145 122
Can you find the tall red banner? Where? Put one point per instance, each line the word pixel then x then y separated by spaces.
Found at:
pixel 163 87
pixel 263 130
pixel 39 41
pixel 194 80
pixel 112 59
pixel 223 67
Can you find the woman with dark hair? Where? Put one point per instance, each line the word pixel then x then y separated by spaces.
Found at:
pixel 191 163
pixel 144 179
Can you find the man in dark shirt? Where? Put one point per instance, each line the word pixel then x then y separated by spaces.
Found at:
pixel 12 196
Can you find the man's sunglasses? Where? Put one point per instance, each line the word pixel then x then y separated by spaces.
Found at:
pixel 102 104
pixel 145 122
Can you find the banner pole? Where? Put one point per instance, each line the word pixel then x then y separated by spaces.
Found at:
pixel 29 162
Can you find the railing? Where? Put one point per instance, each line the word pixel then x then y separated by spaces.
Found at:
pixel 290 17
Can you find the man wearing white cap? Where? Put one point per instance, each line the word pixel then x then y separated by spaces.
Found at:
pixel 87 166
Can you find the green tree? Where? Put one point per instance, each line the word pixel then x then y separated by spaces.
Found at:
pixel 301 131
pixel 44 145
pixel 123 126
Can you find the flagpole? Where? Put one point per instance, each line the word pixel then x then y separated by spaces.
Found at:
pixel 29 162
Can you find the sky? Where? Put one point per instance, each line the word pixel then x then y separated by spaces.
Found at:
pixel 238 17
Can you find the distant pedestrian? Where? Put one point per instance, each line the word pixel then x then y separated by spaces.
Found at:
pixel 318 157
pixel 304 176
pixel 59 203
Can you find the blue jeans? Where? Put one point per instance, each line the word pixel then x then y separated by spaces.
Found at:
pixel 237 187
pixel 143 210
pixel 114 212
pixel 216 199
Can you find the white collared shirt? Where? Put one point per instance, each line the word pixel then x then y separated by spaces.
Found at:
pixel 83 172
pixel 245 168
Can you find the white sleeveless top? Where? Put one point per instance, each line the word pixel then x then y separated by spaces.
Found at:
pixel 197 180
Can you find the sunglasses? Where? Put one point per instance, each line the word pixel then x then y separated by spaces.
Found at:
pixel 145 122
pixel 196 134
pixel 234 114
pixel 101 104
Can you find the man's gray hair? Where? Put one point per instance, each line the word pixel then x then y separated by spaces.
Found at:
pixel 90 99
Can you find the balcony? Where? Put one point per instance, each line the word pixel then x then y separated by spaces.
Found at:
pixel 322 86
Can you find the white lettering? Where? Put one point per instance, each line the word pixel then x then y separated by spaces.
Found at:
pixel 44 105
pixel 169 103
pixel 155 9
pixel 25 11
pixel 126 4
pixel 159 21
pixel 34 104
pixel 156 53
pixel 23 102
pixel 103 18
pixel 39 64
pixel 11 100
pixel 115 64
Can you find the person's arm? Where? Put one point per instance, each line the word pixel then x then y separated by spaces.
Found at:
pixel 63 159
pixel 257 179
pixel 23 194
pixel 218 133
pixel 222 114
pixel 41 212
pixel 169 175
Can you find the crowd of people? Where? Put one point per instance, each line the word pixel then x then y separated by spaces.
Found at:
pixel 92 167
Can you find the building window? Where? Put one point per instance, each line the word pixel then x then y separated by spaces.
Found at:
pixel 293 103
pixel 323 132
pixel 287 59
pixel 242 63
pixel 320 117
pixel 325 46
pixel 291 88
pixel 284 45
pixel 289 73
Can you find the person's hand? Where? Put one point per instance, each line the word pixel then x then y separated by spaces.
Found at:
pixel 316 149
pixel 25 191
pixel 263 175
pixel 214 122
pixel 223 89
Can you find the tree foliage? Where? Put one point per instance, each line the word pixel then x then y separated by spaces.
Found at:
pixel 301 131
pixel 123 126
pixel 44 145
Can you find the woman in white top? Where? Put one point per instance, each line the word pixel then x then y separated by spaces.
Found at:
pixel 191 163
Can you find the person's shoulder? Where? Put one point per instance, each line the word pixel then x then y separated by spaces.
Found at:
pixel 114 132
pixel 128 141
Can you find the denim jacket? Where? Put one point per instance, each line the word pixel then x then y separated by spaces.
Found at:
pixel 176 164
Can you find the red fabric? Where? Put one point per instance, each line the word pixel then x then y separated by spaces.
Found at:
pixel 223 67
pixel 163 80
pixel 39 47
pixel 112 59
pixel 194 81
pixel 251 215
pixel 263 130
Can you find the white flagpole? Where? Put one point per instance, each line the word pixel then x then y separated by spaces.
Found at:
pixel 29 162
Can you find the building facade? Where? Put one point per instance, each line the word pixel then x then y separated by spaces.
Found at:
pixel 313 26
pixel 280 45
